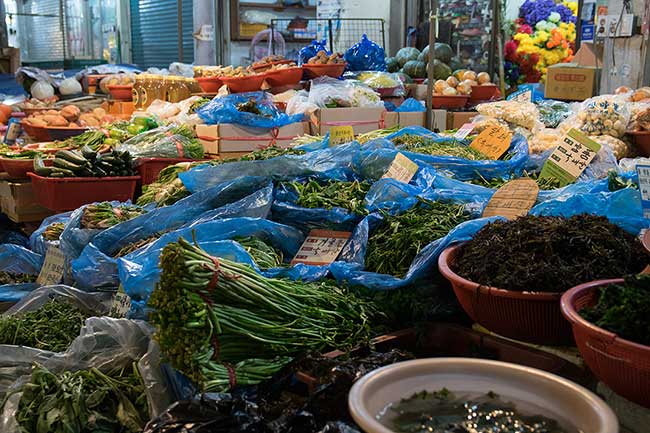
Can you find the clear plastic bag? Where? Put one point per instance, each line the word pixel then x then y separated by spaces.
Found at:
pixel 299 104
pixel 327 92
pixel 552 113
pixel 365 55
pixel 385 83
pixel 603 115
pixel 170 141
pixel 523 114
pixel 311 50
pixel 255 109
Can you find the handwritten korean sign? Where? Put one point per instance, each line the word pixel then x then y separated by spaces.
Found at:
pixel 643 171
pixel 493 141
pixel 321 247
pixel 401 169
pixel 53 267
pixel 512 200
pixel 341 134
pixel 570 158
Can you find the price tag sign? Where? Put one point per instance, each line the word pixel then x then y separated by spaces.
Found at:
pixel 493 141
pixel 341 134
pixel 401 169
pixel 570 158
pixel 512 200
pixel 120 306
pixel 321 247
pixel 464 131
pixel 643 171
pixel 521 96
pixel 53 267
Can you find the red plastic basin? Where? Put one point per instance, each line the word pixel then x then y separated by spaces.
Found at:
pixel 449 101
pixel 68 193
pixel 60 133
pixel 333 70
pixel 249 83
pixel 483 93
pixel 121 92
pixel 210 84
pixel 37 132
pixel 150 168
pixel 284 77
pixel 18 168
pixel 525 316
pixel 622 365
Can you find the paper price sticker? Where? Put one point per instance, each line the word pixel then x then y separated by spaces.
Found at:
pixel 53 267
pixel 521 96
pixel 512 200
pixel 120 306
pixel 493 141
pixel 321 247
pixel 464 131
pixel 401 169
pixel 643 171
pixel 570 158
pixel 341 134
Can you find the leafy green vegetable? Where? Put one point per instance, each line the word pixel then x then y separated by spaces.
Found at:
pixel 53 231
pixel 104 215
pixel 263 254
pixel 428 146
pixel 332 193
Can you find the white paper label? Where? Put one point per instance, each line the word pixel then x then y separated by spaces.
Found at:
pixel 643 171
pixel 401 169
pixel 53 267
pixel 321 247
pixel 464 131
pixel 121 305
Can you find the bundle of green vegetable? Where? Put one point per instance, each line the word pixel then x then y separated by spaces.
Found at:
pixel 263 254
pixel 128 249
pixel 102 140
pixel 393 244
pixel 209 311
pixel 549 254
pixel 379 133
pixel 166 142
pixel 83 401
pixel 12 278
pixel 52 327
pixel 332 193
pixel 198 104
pixel 103 215
pixel 428 146
pixel 86 163
pixel 268 153
pixel 168 188
pixel 623 309
pixel 497 182
pixel 53 231
pixel 21 154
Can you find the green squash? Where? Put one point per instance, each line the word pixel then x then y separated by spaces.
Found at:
pixel 392 65
pixel 441 71
pixel 405 54
pixel 415 69
pixel 424 55
pixel 456 63
pixel 443 52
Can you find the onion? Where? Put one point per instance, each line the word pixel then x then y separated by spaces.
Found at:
pixel 41 90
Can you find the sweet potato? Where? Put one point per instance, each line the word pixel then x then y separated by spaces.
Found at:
pixel 58 121
pixel 70 112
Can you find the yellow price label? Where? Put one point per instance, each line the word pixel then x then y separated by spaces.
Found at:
pixel 512 200
pixel 53 267
pixel 493 141
pixel 401 169
pixel 341 134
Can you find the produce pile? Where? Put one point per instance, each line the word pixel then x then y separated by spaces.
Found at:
pixel 331 194
pixel 53 231
pixel 414 63
pixel 104 215
pixel 428 146
pixel 13 278
pixel 86 163
pixel 69 117
pixel 322 58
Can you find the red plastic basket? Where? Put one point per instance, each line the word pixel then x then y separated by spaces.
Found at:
pixel 284 77
pixel 68 193
pixel 248 83
pixel 333 70
pixel 210 84
pixel 622 365
pixel 121 92
pixel 483 93
pixel 525 316
pixel 150 168
pixel 18 168
pixel 37 132
pixel 449 101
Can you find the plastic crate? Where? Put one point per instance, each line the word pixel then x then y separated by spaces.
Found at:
pixel 525 316
pixel 18 168
pixel 69 193
pixel 150 168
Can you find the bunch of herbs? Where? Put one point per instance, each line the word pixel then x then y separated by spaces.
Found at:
pixel 428 146
pixel 330 194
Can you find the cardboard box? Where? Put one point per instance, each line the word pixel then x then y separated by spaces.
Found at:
pixel 18 202
pixel 9 60
pixel 229 138
pixel 574 81
pixel 404 119
pixel 458 118
pixel 417 91
pixel 362 120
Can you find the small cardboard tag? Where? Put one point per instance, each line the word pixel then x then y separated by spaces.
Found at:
pixel 321 247
pixel 120 306
pixel 521 96
pixel 464 131
pixel 341 134
pixel 512 200
pixel 53 267
pixel 401 169
pixel 493 141
pixel 570 158
pixel 643 171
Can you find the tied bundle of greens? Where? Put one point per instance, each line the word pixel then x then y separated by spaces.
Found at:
pixel 52 327
pixel 104 215
pixel 263 254
pixel 549 254
pixel 331 194
pixel 393 245
pixel 425 145
pixel 168 188
pixel 53 231
pixel 128 249
pixel 12 278
pixel 623 309
pixel 211 313
pixel 83 401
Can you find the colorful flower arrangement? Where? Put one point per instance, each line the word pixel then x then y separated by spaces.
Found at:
pixel 545 34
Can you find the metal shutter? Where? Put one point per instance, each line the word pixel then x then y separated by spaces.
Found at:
pixel 154 32
pixel 44 40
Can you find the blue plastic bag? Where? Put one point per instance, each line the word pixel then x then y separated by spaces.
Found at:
pixel 18 260
pixel 411 105
pixel 139 271
pixel 333 162
pixel 96 266
pixel 311 50
pixel 365 55
pixel 36 241
pixel 223 109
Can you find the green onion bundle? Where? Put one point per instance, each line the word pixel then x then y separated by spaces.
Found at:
pixel 128 249
pixel 104 215
pixel 53 231
pixel 425 145
pixel 51 327
pixel 211 312
pixel 346 195
pixel 393 245
pixel 263 254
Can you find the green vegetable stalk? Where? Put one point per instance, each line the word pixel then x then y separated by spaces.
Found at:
pixel 53 231
pixel 498 182
pixel 52 327
pixel 11 278
pixel 128 249
pixel 211 313
pixel 425 145
pixel 104 215
pixel 263 254
pixel 393 245
pixel 346 195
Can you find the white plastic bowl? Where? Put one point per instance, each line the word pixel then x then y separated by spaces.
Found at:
pixel 561 398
